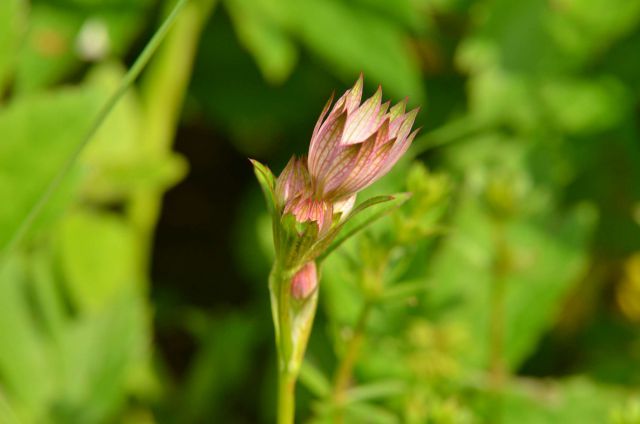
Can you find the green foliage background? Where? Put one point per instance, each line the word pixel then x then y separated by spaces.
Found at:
pixel 506 290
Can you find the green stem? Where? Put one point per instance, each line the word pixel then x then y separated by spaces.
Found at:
pixel 498 372
pixel 452 131
pixel 292 320
pixel 286 397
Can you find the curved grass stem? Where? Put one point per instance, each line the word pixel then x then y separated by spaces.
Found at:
pixel 131 75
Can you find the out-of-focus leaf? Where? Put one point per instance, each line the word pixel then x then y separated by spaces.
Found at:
pixel 378 390
pixel 571 401
pixel 353 223
pixel 64 34
pixel 548 256
pixel 368 413
pixel 7 415
pixel 23 354
pixel 586 106
pixel 353 40
pixel 403 290
pixel 314 379
pixel 272 48
pixel 410 13
pixel 223 361
pixel 583 29
pixel 98 258
pixel 116 162
pixel 38 135
pixel 97 355
pixel 267 183
pixel 12 27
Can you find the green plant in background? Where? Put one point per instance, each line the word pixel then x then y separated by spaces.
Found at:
pixel 352 146
pixel 506 289
pixel 73 273
pixel 371 283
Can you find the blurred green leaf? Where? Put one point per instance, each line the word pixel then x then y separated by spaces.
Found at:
pixel 548 255
pixel 67 33
pixel 402 290
pixel 267 183
pixel 575 400
pixel 117 163
pixel 314 379
pixel 377 390
pixel 39 133
pixel 97 356
pixel 353 223
pixel 23 354
pixel 353 40
pixel 12 29
pixel 95 275
pixel 368 413
pixel 266 40
pixel 586 106
pixel 222 363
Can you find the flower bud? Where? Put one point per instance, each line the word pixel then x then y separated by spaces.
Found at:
pixel 305 281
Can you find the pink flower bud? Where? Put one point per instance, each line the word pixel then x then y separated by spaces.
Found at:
pixel 352 146
pixel 305 281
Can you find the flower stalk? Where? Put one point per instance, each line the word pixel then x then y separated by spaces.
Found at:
pixel 353 145
pixel 293 320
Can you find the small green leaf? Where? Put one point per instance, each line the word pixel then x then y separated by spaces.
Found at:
pixel 403 290
pixel 314 379
pixel 368 413
pixel 272 48
pixel 267 183
pixel 377 390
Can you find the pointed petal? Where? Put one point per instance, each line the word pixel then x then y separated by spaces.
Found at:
pixel 372 171
pixel 400 147
pixel 398 110
pixel 364 121
pixel 371 157
pixel 335 174
pixel 383 109
pixel 293 181
pixel 322 115
pixel 407 123
pixel 322 152
pixel 354 96
pixel 344 206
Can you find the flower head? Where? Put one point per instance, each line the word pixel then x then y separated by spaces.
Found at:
pixel 352 145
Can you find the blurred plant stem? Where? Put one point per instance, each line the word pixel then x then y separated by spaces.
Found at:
pixel 162 94
pixel 372 285
pixel 498 372
pixel 292 320
pixel 344 372
pixel 450 132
